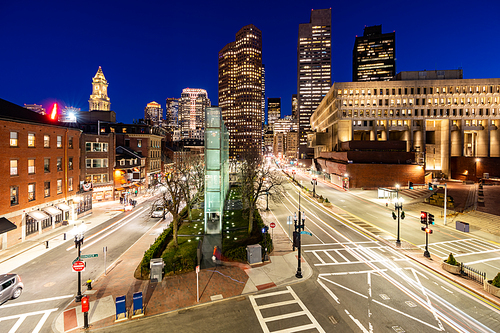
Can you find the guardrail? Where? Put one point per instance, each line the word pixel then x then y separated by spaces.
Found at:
pixel 472 274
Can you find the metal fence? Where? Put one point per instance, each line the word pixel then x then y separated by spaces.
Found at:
pixel 472 273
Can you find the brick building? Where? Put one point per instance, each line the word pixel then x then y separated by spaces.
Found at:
pixel 40 169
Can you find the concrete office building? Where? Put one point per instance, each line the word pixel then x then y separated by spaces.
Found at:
pixel 192 105
pixel 314 77
pixel 374 55
pixel 153 113
pixel 273 110
pixel 449 123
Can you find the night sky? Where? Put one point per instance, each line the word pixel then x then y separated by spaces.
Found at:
pixel 151 50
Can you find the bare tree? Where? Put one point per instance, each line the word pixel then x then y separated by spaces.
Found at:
pixel 191 167
pixel 172 197
pixel 257 178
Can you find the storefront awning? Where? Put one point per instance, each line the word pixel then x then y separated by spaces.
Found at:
pixel 63 207
pixel 38 215
pixel 6 225
pixel 119 189
pixel 52 211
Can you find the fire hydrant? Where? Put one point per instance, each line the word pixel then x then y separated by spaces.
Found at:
pixel 89 284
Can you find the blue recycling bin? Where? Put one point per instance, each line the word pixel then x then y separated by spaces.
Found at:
pixel 121 309
pixel 138 304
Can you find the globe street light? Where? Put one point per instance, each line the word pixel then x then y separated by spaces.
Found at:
pixel 398 205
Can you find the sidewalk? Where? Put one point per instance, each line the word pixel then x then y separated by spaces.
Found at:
pixel 176 292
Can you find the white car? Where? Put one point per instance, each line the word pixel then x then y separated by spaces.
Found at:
pixel 157 211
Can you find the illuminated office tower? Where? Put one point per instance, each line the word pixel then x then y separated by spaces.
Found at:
pixel 263 95
pixel 154 113
pixel 172 113
pixel 273 110
pixel 313 70
pixel 99 100
pixel 240 90
pixel 295 106
pixel 374 55
pixel 192 106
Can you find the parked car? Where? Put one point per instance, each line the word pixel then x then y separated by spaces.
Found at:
pixel 11 287
pixel 157 211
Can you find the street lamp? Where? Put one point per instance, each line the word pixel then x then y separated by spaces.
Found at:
pixel 398 205
pixel 79 233
pixel 475 168
pixel 299 226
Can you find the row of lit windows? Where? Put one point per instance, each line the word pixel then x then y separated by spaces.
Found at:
pixel 14 190
pixel 14 165
pixel 14 140
pixel 423 101
pixel 422 90
pixel 420 112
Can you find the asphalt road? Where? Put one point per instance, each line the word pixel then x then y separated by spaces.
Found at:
pixel 50 284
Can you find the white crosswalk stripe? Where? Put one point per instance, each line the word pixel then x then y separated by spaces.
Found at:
pixel 461 248
pixel 350 255
pixel 265 320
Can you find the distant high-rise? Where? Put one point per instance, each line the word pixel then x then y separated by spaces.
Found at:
pixel 374 55
pixel 172 113
pixel 99 100
pixel 35 107
pixel 295 106
pixel 273 110
pixel 314 77
pixel 192 106
pixel 240 90
pixel 263 95
pixel 154 113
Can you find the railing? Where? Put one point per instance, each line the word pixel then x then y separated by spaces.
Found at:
pixel 472 273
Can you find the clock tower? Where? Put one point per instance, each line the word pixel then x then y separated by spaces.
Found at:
pixel 99 100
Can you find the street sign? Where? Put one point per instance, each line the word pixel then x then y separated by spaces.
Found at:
pixel 76 259
pixel 94 255
pixel 272 224
pixel 306 233
pixel 78 266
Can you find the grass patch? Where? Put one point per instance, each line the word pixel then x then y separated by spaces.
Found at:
pixel 181 259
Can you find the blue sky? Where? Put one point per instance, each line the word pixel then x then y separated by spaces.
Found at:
pixel 151 50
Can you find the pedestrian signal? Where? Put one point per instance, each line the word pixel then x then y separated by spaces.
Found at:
pixel 410 185
pixel 431 219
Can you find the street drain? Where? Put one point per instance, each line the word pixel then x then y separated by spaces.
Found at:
pixel 398 329
pixel 333 320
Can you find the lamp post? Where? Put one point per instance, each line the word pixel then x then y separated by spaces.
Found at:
pixel 267 200
pixel 398 205
pixel 293 173
pixel 79 233
pixel 475 168
pixel 299 226
pixel 314 182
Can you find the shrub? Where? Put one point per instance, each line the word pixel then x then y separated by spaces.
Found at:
pixel 451 260
pixel 326 200
pixel 496 281
pixel 238 253
pixel 156 249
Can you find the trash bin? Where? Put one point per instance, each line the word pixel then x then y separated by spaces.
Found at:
pixel 156 269
pixel 254 254
pixel 462 226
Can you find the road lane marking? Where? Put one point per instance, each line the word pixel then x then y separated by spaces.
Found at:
pixel 481 261
pixel 22 316
pixel 35 301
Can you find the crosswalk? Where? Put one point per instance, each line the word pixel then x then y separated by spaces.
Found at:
pixel 416 193
pixel 461 248
pixel 352 254
pixel 283 312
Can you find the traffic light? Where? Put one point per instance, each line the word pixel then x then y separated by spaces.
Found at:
pixel 423 217
pixel 402 215
pixel 296 239
pixel 430 187
pixel 431 218
pixel 394 215
pixel 410 185
pixel 428 230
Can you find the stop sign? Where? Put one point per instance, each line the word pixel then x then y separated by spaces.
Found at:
pixel 78 266
pixel 272 224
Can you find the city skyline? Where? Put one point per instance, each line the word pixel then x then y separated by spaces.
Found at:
pixel 140 64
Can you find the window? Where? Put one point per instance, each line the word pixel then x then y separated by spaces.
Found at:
pixel 59 186
pixel 70 184
pixel 13 139
pixel 70 142
pixel 13 168
pixel 31 192
pixel 70 163
pixel 139 143
pixel 122 162
pixel 46 141
pixel 14 195
pixel 46 164
pixel 59 164
pixel 96 162
pixel 31 166
pixel 31 139
pixel 59 141
pixel 46 189
pixel 96 146
pixel 127 142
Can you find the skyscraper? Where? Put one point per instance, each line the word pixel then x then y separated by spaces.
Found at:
pixel 263 95
pixel 154 113
pixel 192 106
pixel 295 106
pixel 172 113
pixel 314 77
pixel 374 55
pixel 240 90
pixel 273 110
pixel 99 100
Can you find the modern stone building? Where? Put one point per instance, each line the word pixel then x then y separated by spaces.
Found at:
pixel 443 119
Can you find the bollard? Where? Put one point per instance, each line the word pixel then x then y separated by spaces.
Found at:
pixel 64 236
pixel 46 244
pixel 89 284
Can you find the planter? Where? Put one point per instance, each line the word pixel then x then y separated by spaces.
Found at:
pixel 451 268
pixel 327 204
pixel 491 289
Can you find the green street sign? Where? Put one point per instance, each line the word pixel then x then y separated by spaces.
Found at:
pixel 95 255
pixel 306 233
pixel 76 259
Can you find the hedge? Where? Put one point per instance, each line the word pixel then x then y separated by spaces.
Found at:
pixel 156 249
